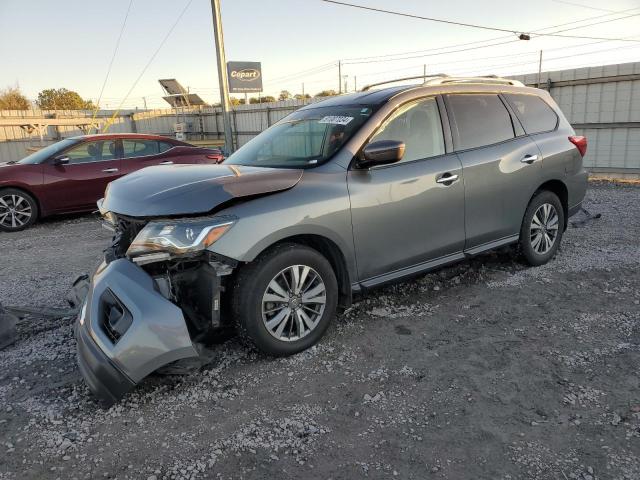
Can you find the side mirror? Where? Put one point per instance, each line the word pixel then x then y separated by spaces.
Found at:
pixel 61 160
pixel 381 152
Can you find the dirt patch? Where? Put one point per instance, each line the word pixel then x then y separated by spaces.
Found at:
pixel 486 369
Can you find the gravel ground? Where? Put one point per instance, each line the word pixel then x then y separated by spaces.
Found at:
pixel 484 370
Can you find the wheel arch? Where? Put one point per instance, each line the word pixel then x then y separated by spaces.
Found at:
pixel 332 252
pixel 560 189
pixel 28 192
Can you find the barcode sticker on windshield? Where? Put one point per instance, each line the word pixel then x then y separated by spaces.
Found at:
pixel 335 120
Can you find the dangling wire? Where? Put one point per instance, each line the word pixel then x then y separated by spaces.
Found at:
pixel 113 57
pixel 115 114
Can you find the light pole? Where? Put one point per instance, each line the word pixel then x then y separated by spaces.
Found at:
pixel 222 75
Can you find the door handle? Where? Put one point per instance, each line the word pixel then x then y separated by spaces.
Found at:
pixel 529 159
pixel 447 179
pixel 110 170
pixel 166 162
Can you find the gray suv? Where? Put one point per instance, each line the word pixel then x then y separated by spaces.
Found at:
pixel 340 196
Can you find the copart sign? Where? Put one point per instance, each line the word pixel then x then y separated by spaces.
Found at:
pixel 244 77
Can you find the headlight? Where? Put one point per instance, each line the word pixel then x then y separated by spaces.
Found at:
pixel 178 237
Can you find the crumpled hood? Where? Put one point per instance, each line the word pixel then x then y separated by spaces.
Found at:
pixel 191 189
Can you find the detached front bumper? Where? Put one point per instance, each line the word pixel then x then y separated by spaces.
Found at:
pixel 126 330
pixel 105 381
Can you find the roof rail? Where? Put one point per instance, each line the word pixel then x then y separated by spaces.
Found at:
pixel 434 76
pixel 442 78
pixel 488 79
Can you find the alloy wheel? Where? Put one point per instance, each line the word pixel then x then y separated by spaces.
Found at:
pixel 544 228
pixel 293 303
pixel 15 211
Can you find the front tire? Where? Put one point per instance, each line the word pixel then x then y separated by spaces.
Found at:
pixel 284 301
pixel 542 228
pixel 18 210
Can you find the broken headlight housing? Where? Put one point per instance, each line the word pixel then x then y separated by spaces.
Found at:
pixel 161 240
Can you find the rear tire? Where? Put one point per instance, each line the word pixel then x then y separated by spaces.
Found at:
pixel 18 210
pixel 284 301
pixel 542 228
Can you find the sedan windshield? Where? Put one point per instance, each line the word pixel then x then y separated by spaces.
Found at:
pixel 46 152
pixel 305 138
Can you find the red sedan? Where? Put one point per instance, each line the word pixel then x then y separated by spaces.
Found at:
pixel 71 175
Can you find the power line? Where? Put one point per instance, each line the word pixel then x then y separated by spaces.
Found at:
pixel 435 54
pixel 523 54
pixel 108 124
pixel 489 39
pixel 582 5
pixel 310 71
pixel 374 59
pixel 115 51
pixel 547 59
pixel 462 24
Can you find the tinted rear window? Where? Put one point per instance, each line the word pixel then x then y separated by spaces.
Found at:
pixel 534 113
pixel 481 119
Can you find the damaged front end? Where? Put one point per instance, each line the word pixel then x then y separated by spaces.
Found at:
pixel 155 300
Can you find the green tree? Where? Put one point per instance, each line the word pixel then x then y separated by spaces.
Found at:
pixel 62 99
pixel 326 93
pixel 12 99
pixel 236 101
pixel 284 95
pixel 267 99
pixel 299 96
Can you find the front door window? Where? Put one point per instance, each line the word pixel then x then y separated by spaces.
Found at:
pixel 96 151
pixel 418 125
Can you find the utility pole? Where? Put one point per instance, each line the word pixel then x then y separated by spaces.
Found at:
pixel 355 83
pixel 222 75
pixel 304 100
pixel 144 100
pixel 424 72
pixel 346 90
pixel 339 76
pixel 540 69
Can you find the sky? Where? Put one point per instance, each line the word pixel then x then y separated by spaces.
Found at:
pixel 53 44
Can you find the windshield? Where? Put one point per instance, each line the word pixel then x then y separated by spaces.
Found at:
pixel 305 138
pixel 46 152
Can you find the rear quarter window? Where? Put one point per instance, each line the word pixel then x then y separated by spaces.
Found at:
pixel 534 113
pixel 164 146
pixel 480 119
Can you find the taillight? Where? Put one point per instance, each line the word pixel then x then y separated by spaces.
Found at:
pixel 580 143
pixel 217 158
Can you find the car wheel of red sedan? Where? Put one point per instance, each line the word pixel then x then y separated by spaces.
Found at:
pixel 18 210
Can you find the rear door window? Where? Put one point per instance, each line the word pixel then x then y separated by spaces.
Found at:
pixel 479 119
pixel 139 148
pixel 534 113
